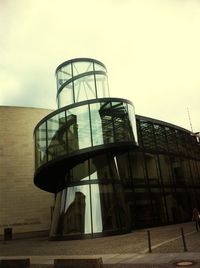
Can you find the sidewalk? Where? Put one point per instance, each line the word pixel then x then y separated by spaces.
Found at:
pixel 129 250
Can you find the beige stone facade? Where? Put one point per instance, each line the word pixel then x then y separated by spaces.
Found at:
pixel 23 206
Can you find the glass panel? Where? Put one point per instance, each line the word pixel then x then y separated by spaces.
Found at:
pixel 186 171
pixel 161 141
pixel 56 225
pixel 124 167
pixel 137 168
pixel 63 75
pixel 177 171
pixel 122 209
pixel 147 136
pixel 78 123
pixel 77 216
pixel 96 209
pixel 56 136
pixel 97 134
pixel 171 139
pixel 99 67
pixel 84 88
pixel 122 127
pixel 41 156
pixel 143 211
pixel 158 206
pixel 165 169
pixel 152 168
pixel 66 96
pixel 107 122
pixel 184 209
pixel 79 173
pixel 104 167
pixel 82 67
pixel 102 86
pixel 109 208
pixel 171 205
pixel 132 119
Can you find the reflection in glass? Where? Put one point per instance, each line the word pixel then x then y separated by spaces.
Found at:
pixel 96 126
pixel 79 130
pixel 110 216
pixel 77 216
pixel 66 96
pixel 64 74
pixel 132 119
pixel 96 209
pixel 107 122
pixel 78 173
pixel 56 136
pixel 41 156
pixel 124 167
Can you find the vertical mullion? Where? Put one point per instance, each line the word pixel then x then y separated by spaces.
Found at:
pixel 73 82
pixel 95 82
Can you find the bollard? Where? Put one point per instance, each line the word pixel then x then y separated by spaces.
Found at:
pixel 183 238
pixel 149 241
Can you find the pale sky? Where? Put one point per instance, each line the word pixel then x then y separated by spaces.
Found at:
pixel 151 49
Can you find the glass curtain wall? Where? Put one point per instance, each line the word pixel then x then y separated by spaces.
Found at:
pixel 93 201
pixel 84 126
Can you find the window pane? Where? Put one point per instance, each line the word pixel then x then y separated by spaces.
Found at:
pixel 122 127
pixel 41 156
pixel 103 168
pixel 132 119
pixel 97 132
pixel 137 167
pixel 109 208
pixel 99 67
pixel 56 136
pixel 84 88
pixel 107 122
pixel 66 96
pixel 63 75
pixel 124 167
pixel 152 168
pixel 102 86
pixel 165 169
pixel 79 135
pixel 82 67
pixel 147 135
pixel 96 209
pixel 79 173
pixel 77 216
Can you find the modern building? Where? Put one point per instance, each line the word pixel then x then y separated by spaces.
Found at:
pixel 111 171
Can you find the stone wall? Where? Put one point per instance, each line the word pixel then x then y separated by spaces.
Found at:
pixel 23 206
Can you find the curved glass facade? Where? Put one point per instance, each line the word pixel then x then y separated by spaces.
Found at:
pixel 92 203
pixel 76 127
pixel 159 183
pixel 79 80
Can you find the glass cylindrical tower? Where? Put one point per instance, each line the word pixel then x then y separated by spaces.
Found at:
pixel 81 79
pixel 77 151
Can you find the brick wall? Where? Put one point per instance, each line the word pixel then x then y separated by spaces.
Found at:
pixel 23 206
